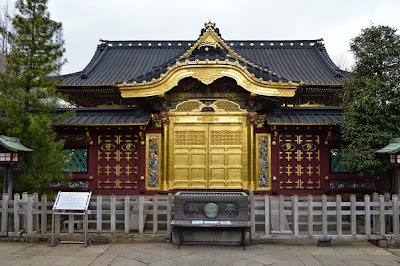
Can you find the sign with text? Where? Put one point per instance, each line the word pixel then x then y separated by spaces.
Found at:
pixel 75 201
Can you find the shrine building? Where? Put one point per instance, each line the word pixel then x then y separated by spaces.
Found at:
pixel 208 114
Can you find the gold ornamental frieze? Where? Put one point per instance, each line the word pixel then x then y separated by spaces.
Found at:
pixel 208 119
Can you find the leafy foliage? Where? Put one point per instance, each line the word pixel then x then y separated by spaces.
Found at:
pixel 29 98
pixel 371 98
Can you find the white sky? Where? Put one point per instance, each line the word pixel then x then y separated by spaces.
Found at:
pixel 337 21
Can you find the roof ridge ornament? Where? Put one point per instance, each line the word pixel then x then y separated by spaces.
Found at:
pixel 209 25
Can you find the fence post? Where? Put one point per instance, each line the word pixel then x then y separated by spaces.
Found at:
pixel 253 214
pixel 16 215
pixel 281 213
pixel 375 218
pixel 126 209
pixel 367 215
pixel 310 215
pixel 353 220
pixel 324 216
pixel 339 215
pixel 169 215
pixel 155 214
pixel 43 215
pixel 381 215
pixel 295 205
pixel 29 217
pixel 386 196
pixel 395 200
pixel 267 217
pixel 4 215
pixel 99 214
pixel 112 207
pixel 35 200
pixel 24 199
pixel 141 214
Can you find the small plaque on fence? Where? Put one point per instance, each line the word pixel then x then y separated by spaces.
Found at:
pixel 75 201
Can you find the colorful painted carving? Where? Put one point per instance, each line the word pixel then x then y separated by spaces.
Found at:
pixel 263 170
pixel 154 161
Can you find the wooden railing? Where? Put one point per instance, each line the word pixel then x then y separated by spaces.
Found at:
pixel 346 217
pixel 25 215
pixel 325 217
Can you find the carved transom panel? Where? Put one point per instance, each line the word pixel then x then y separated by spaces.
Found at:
pixel 226 138
pixel 184 138
pixel 217 106
pixel 189 106
pixel 227 106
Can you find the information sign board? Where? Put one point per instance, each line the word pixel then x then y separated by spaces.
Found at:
pixel 74 201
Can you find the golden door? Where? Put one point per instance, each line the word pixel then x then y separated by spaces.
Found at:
pixel 209 156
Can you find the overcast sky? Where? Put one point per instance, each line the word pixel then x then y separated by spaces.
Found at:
pixel 337 21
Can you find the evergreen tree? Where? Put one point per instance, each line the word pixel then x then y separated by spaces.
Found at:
pixel 371 98
pixel 29 98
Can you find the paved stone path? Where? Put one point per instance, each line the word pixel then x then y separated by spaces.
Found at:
pixel 157 252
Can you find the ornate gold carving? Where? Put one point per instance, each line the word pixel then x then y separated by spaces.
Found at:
pixel 207 75
pixel 118 139
pixel 289 170
pixel 117 170
pixel 107 147
pixel 288 147
pixel 107 172
pixel 226 138
pixel 299 183
pixel 226 106
pixel 207 119
pixel 309 170
pixel 128 170
pixel 183 138
pixel 299 170
pixel 117 156
pixel 299 156
pixel 117 183
pixel 309 147
pixel 189 106
pixel 128 147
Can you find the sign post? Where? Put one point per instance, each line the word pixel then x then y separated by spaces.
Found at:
pixel 71 204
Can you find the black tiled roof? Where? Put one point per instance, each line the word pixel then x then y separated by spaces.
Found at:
pixel 306 61
pixel 305 116
pixel 107 117
pixel 115 62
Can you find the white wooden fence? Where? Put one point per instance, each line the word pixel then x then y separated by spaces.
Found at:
pixel 347 217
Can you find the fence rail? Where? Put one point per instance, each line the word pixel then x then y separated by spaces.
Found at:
pixel 346 217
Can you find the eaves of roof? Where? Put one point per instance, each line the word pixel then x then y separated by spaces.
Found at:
pixel 305 116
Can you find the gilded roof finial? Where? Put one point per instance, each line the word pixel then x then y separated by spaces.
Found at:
pixel 209 24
